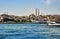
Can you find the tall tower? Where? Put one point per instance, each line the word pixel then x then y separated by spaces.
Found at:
pixel 36 11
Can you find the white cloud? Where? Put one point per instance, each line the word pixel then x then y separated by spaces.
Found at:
pixel 48 2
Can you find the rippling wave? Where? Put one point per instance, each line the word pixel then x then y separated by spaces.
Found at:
pixel 29 31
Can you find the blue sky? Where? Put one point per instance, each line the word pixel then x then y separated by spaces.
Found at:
pixel 26 7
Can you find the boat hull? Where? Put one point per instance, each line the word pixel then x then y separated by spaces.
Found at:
pixel 54 24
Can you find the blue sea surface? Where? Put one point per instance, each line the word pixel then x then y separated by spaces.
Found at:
pixel 29 31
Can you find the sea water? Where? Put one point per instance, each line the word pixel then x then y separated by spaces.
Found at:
pixel 29 31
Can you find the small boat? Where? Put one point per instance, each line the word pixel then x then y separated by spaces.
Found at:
pixel 53 24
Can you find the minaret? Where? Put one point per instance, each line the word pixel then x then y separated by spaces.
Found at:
pixel 36 11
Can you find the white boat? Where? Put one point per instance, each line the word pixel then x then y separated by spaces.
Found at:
pixel 56 24
pixel 53 24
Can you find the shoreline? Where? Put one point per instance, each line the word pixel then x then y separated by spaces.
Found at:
pixel 25 23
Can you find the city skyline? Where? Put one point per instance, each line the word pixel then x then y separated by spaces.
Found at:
pixel 26 7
